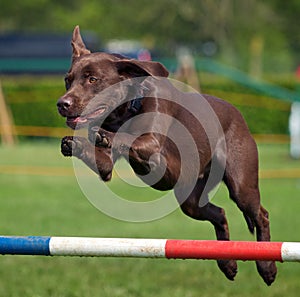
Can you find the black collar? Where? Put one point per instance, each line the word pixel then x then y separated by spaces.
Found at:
pixel 139 94
pixel 135 105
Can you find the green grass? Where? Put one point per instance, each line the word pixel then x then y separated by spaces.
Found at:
pixel 35 204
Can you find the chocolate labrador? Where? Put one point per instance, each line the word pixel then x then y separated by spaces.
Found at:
pixel 217 131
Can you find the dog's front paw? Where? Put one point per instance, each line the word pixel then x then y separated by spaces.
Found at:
pixel 71 146
pixel 99 138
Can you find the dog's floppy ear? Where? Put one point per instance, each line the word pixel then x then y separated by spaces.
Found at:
pixel 134 68
pixel 78 46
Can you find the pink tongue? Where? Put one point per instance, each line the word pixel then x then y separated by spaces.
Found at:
pixel 80 120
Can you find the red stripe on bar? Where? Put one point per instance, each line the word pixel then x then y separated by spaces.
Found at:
pixel 214 249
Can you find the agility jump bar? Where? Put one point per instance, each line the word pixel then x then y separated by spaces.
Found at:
pixel 150 248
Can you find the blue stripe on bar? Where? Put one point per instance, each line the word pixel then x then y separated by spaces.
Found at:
pixel 24 245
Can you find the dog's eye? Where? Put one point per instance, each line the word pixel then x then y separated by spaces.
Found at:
pixel 67 83
pixel 92 79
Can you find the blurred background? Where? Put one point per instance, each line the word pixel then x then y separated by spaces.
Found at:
pixel 246 52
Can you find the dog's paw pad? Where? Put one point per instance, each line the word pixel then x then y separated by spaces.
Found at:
pixel 66 146
pixel 70 146
pixel 101 140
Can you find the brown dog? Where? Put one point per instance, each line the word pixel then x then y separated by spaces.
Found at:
pixel 221 137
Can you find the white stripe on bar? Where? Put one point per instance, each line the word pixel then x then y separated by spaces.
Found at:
pixel 107 247
pixel 290 251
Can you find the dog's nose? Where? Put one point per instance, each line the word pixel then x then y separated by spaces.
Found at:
pixel 64 104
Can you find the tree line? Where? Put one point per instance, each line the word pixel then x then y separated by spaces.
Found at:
pixel 239 28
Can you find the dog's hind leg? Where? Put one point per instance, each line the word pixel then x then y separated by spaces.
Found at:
pixel 213 214
pixel 241 178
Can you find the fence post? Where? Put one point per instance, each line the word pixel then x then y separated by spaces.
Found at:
pixel 294 127
pixel 6 122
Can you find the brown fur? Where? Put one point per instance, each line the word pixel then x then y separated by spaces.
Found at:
pixel 92 73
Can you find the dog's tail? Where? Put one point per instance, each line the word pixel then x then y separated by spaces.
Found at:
pixel 250 224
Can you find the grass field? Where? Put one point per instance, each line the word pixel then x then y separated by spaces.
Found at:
pixel 40 196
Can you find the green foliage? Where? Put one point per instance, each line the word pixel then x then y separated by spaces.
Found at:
pixel 33 103
pixel 167 24
pixel 265 121
pixel 264 115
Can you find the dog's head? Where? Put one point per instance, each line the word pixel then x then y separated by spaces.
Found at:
pixel 90 74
